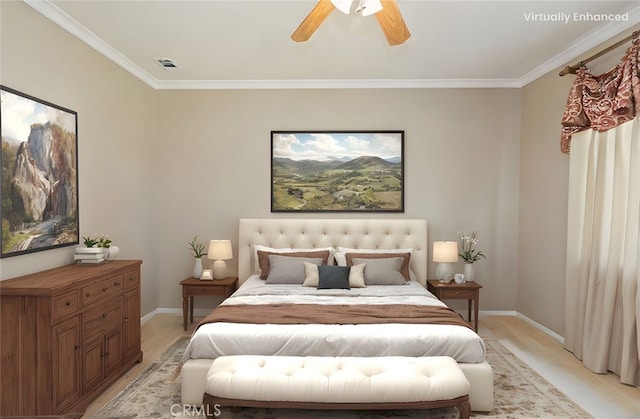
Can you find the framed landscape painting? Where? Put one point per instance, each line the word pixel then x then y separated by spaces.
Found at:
pixel 39 192
pixel 337 171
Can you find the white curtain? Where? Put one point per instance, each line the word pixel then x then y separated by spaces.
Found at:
pixel 603 251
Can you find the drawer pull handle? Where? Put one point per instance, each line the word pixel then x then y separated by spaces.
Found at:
pixel 104 289
pixel 117 284
pixel 88 294
pixel 67 303
pixel 104 315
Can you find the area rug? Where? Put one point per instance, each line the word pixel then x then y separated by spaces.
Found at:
pixel 519 392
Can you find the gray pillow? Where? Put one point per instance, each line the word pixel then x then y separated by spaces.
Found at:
pixel 288 270
pixel 382 271
pixel 333 277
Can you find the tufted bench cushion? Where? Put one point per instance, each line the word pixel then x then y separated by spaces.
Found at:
pixel 337 383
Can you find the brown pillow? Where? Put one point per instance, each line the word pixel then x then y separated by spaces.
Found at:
pixel 263 258
pixel 404 270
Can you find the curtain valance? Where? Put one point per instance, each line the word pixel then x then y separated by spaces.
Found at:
pixel 602 102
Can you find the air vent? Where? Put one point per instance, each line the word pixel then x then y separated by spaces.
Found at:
pixel 166 63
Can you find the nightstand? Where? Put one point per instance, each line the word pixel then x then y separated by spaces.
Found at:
pixel 192 287
pixel 469 291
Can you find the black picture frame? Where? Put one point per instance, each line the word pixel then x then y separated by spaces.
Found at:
pixel 39 174
pixel 337 171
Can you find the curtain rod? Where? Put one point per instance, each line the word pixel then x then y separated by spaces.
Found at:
pixel 571 69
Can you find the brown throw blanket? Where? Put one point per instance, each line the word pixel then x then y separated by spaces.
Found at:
pixel 334 314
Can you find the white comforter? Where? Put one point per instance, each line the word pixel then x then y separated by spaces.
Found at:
pixel 218 339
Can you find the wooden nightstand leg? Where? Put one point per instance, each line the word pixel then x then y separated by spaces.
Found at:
pixel 469 304
pixel 477 311
pixel 191 310
pixel 185 309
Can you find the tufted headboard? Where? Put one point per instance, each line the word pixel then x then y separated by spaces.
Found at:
pixel 311 233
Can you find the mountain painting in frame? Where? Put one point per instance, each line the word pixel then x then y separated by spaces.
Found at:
pixel 337 171
pixel 39 192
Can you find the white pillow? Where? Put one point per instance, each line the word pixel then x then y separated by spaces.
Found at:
pixel 356 276
pixel 256 247
pixel 311 275
pixel 341 253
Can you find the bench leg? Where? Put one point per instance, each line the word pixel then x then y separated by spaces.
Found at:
pixel 465 409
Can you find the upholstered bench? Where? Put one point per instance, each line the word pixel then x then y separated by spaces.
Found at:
pixel 349 383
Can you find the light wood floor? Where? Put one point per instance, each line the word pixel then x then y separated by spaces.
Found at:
pixel 602 395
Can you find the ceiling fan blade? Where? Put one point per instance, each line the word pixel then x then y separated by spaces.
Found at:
pixel 392 23
pixel 313 20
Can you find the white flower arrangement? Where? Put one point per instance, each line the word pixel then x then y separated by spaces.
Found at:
pixel 468 242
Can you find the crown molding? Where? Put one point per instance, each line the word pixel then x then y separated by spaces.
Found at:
pixel 336 84
pixel 588 42
pixel 53 13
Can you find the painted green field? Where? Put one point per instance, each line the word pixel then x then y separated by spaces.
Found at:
pixel 362 184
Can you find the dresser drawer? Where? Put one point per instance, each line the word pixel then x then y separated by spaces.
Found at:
pixel 101 290
pixel 459 294
pixel 131 279
pixel 99 320
pixel 64 305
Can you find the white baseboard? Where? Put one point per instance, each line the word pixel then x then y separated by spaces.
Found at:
pixel 198 312
pixel 148 316
pixel 201 312
pixel 521 316
pixel 511 313
pixel 542 328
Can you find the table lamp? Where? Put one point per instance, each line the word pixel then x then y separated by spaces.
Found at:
pixel 445 254
pixel 219 251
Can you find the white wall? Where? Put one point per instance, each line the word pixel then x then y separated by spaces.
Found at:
pixel 116 137
pixel 461 166
pixel 544 176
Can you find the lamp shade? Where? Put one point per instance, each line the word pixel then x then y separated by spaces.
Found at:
pixel 220 250
pixel 446 252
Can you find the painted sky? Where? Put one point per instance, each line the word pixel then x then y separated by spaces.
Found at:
pixel 18 113
pixel 328 146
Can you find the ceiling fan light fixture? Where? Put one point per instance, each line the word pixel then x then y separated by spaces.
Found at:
pixel 369 7
pixel 343 5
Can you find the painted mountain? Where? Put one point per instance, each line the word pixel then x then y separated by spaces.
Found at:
pixel 39 194
pixel 366 183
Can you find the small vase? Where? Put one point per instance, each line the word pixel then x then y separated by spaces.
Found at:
pixel 197 268
pixel 112 252
pixel 469 272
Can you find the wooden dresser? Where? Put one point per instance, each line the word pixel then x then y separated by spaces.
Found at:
pixel 66 334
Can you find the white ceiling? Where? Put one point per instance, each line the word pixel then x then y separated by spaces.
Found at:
pixel 219 44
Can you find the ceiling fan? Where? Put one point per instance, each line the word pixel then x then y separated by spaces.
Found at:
pixel 386 11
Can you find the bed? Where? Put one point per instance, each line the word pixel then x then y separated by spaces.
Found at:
pixel 226 332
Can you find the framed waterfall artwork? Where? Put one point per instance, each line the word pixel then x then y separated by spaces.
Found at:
pixel 39 189
pixel 337 171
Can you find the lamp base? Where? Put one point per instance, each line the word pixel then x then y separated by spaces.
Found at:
pixel 443 269
pixel 219 269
